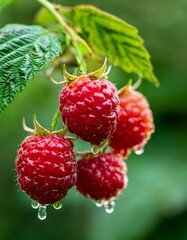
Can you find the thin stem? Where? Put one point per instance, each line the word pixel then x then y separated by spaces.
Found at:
pixel 137 84
pixel 51 8
pixel 27 129
pixel 83 153
pixel 55 120
pixel 58 83
pixel 72 138
pixel 62 131
pixel 80 58
pixel 121 90
pixel 104 147
pixel 75 38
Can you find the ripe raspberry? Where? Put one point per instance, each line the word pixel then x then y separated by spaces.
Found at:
pixel 135 123
pixel 90 108
pixel 46 167
pixel 102 177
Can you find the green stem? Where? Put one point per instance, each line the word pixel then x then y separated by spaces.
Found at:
pixel 75 38
pixel 104 147
pixel 84 153
pixel 55 120
pixel 137 84
pixel 72 138
pixel 80 58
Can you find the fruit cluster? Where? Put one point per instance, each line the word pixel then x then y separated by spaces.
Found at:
pixel 114 123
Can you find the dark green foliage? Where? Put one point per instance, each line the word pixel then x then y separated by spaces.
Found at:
pixel 24 50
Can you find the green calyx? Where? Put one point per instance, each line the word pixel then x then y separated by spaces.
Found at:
pixel 124 89
pixel 40 130
pixel 98 74
pixel 129 85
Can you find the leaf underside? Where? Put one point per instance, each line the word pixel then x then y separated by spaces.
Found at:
pixel 24 50
pixel 109 37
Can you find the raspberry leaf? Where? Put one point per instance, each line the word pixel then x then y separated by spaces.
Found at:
pixel 108 36
pixel 24 51
pixel 4 3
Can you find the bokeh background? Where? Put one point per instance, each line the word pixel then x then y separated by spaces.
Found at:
pixel 154 206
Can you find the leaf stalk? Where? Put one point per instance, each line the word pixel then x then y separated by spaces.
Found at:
pixel 75 38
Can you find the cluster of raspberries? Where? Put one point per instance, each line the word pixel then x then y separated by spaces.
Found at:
pixel 92 110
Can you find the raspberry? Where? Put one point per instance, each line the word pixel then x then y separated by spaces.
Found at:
pixel 46 167
pixel 135 123
pixel 102 177
pixel 90 108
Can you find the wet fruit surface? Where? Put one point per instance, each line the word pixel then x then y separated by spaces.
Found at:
pixel 102 177
pixel 46 167
pixel 90 108
pixel 135 123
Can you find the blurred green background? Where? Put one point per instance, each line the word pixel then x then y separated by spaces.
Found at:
pixel 154 206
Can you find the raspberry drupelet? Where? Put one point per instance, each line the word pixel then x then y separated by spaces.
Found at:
pixel 46 167
pixel 102 177
pixel 135 124
pixel 90 108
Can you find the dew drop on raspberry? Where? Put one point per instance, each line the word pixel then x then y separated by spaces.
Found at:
pixel 126 181
pixel 42 212
pixel 139 151
pixel 58 205
pixel 109 206
pixel 95 149
pixel 34 204
pixel 99 203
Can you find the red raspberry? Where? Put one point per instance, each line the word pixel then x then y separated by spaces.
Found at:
pixel 46 167
pixel 102 177
pixel 90 108
pixel 135 123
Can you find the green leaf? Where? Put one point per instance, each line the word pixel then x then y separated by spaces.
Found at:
pixel 4 3
pixel 44 18
pixel 24 50
pixel 110 36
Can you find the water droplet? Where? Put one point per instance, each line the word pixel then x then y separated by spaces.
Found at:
pixel 87 195
pixel 42 212
pixel 139 151
pixel 126 181
pixel 57 205
pixel 95 149
pixel 99 204
pixel 109 206
pixel 34 204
